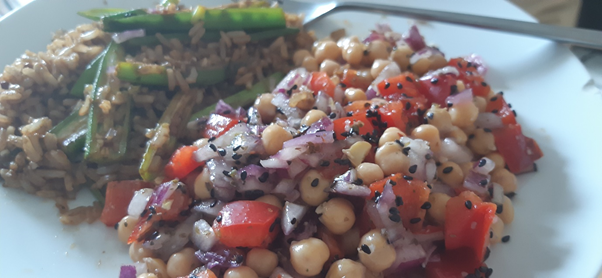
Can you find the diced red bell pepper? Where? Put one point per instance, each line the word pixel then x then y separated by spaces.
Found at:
pixel 352 80
pixel 321 82
pixel 470 76
pixel 218 124
pixel 518 150
pixel 357 124
pixel 437 88
pixel 498 106
pixel 358 106
pixel 467 223
pixel 334 245
pixel 413 193
pixel 182 163
pixel 454 264
pixel 398 86
pixel 393 115
pixel 247 224
pixel 118 197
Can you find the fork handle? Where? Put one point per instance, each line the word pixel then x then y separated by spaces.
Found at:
pixel 576 36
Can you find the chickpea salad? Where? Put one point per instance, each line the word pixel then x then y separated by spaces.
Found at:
pixel 258 150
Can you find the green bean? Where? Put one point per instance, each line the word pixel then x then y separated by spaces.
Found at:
pixel 155 75
pixel 97 14
pixel 87 77
pixel 71 134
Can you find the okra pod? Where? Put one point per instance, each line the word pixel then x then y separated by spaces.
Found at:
pixel 97 14
pixel 87 77
pixel 71 134
pixel 155 75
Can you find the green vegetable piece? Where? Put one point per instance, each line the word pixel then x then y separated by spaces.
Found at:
pixel 171 124
pixel 97 14
pixel 125 14
pixel 218 19
pixel 71 134
pixel 97 195
pixel 244 97
pixel 166 3
pixel 98 148
pixel 155 75
pixel 87 77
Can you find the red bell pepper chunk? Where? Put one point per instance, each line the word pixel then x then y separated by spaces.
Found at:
pixel 218 124
pixel 413 193
pixel 358 106
pixel 471 77
pixel 398 86
pixel 393 114
pixel 247 224
pixel 498 106
pixel 356 124
pixel 334 245
pixel 454 264
pixel 467 223
pixel 352 80
pixel 437 88
pixel 321 82
pixel 182 163
pixel 118 197
pixel 519 151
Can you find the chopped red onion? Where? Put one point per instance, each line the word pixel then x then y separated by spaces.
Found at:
pixel 488 120
pixel 321 137
pixel 408 257
pixel 478 62
pixel 476 182
pixel 163 192
pixel 462 97
pixel 429 238
pixel 431 170
pixel 203 236
pixel 286 188
pixel 429 255
pixel 298 76
pixel 296 167
pixel 209 207
pixel 139 201
pixel 128 35
pixel 127 271
pixel 498 194
pixel 371 92
pixel 274 163
pixel 323 102
pixel 170 240
pixel 222 107
pixel 414 39
pixel 454 152
pixel 442 71
pixel 344 184
pixel 291 216
pixel 484 166
pixel 324 124
pixel 418 154
pixel 220 173
pixel 425 53
pixel 221 257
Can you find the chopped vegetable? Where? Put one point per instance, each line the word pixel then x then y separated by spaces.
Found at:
pixel 247 224
pixel 455 264
pixel 519 151
pixel 138 73
pixel 498 106
pixel 398 86
pixel 357 124
pixel 182 163
pixel 469 74
pixel 71 134
pixel 320 81
pixel 97 14
pixel 219 124
pixel 118 196
pixel 87 77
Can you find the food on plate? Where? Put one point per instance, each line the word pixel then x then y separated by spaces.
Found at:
pixel 230 142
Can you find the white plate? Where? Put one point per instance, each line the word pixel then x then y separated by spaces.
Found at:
pixel 558 212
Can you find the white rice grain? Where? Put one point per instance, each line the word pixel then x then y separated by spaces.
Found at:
pixel 182 82
pixel 171 80
pixel 225 38
pixel 192 76
pixel 163 40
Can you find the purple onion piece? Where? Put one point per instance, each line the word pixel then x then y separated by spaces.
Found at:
pixel 221 257
pixel 408 257
pixel 163 192
pixel 128 35
pixel 476 182
pixel 483 166
pixel 455 152
pixel 414 39
pixel 127 271
pixel 324 124
pixel 460 98
pixel 209 207
pixel 321 137
pixel 478 62
pixel 222 107
pixel 291 216
pixel 488 120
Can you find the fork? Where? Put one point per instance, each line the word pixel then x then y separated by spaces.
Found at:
pixel 575 36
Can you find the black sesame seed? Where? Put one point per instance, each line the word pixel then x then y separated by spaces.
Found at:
pixel 376 195
pixel 398 201
pixel 393 183
pixel 514 112
pixel 213 147
pixel 482 162
pixel 387 85
pixel 315 182
pixel 494 111
pixel 4 85
pixel 483 84
pixel 395 218
pixel 332 115
pixel 434 80
pixel 413 168
pixel 408 178
pixel 273 226
pixel 471 136
pixel 254 194
pixel 459 64
pixel 264 177
pixel 222 152
pixel 483 182
pixel 366 52
pixel 236 156
pixel 409 79
pixel 212 193
pixel 226 173
pixel 505 238
pixel 450 104
pixel 429 186
pixel 243 175
pixel 490 234
pixel 509 105
pixel 487 130
pixel 510 194
pixel 212 139
pixel 415 220
pixel 239 259
pixel 366 249
pixel 534 167
pixel 430 115
pixel 468 204
pixel 218 218
pixel 426 205
pixel 499 209
pixel 489 272
pixel 358 182
pixel 343 84
pixel 399 86
pixel 487 253
pixel 324 163
pixel 428 156
pixel 448 169
pixel 408 105
pixel 213 203
pixel 453 89
pixel 294 221
pixel 116 226
pixel 406 151
pixel 493 99
pixel 150 216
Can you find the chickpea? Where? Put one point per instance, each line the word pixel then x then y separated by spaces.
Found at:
pixel 344 42
pixel 312 116
pixel 346 268
pixel 375 252
pixel 337 215
pixel 310 63
pixel 482 142
pixel 437 211
pixel 266 109
pixel 270 199
pixel 262 261
pixel 353 94
pixel 147 275
pixel 309 255
pixel 430 134
pixel 329 67
pixel 463 114
pixel 156 266
pixel 353 53
pixel 451 174
pixel 138 252
pixel 437 62
pixel 203 185
pixel 458 135
pixel 507 214
pixel 421 66
pixel 369 172
pixel 504 178
pixel 498 159
pixel 390 135
pixel 349 241
pixel 466 167
pixel 377 49
pixel 391 159
pixel 240 272
pixel 460 85
pixel 497 230
pixel 182 263
pixel 481 103
pixel 439 118
pixel 125 227
pixel 469 130
pixel 300 55
pixel 401 56
pixel 378 66
pixel 327 50
pixel 273 137
pixel 313 195
pixel 357 152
